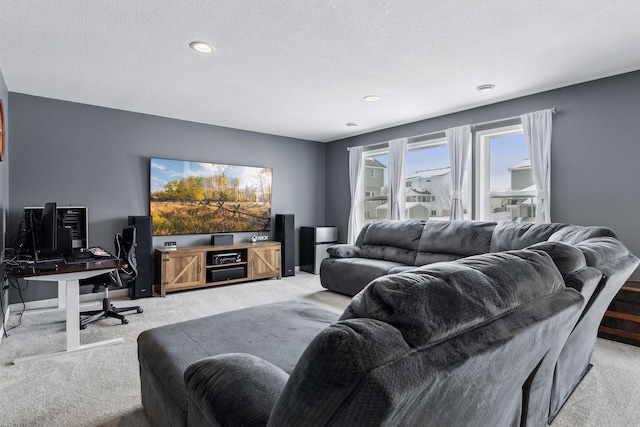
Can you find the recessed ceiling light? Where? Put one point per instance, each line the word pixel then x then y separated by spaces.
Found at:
pixel 371 98
pixel 201 47
pixel 487 87
pixel 352 125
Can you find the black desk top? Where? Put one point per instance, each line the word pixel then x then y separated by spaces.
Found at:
pixel 64 268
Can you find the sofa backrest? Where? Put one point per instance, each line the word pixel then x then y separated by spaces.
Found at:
pixel 573 266
pixel 423 347
pixel 573 234
pixel 448 240
pixel 361 235
pixel 508 236
pixel 435 301
pixel 392 240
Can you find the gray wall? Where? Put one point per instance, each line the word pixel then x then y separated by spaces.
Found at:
pixel 595 154
pixel 4 173
pixel 76 154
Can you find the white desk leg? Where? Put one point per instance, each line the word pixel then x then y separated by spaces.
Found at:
pixel 73 314
pixel 62 294
pixel 72 296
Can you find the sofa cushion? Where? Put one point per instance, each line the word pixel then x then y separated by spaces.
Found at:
pixel 572 264
pixel 455 237
pixel 424 258
pixel 509 236
pixel 343 251
pixel 600 251
pixel 361 235
pixel 347 275
pixel 433 302
pixel 392 240
pixel 234 389
pixel 573 234
pixel 165 352
pixel 568 259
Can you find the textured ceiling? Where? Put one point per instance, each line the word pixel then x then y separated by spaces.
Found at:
pixel 301 68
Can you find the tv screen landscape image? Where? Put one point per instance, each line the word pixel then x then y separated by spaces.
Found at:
pixel 204 198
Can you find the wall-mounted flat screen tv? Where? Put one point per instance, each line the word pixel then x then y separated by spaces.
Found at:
pixel 204 198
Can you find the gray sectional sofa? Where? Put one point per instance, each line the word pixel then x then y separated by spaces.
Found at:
pixel 388 247
pixel 469 342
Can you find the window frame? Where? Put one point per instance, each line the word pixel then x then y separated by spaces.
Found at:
pixel 476 190
pixel 481 168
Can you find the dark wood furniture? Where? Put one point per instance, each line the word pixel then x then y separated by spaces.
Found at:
pixel 621 322
pixel 202 266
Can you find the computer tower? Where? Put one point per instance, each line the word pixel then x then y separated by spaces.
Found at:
pixel 142 286
pixel 285 234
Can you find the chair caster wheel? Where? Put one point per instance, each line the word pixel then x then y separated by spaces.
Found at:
pixel 139 310
pixel 83 327
pixel 125 321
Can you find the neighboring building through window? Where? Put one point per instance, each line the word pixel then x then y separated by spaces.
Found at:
pixel 375 184
pixel 505 190
pixel 500 170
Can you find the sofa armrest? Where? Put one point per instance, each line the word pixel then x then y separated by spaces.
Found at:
pixel 343 251
pixel 234 389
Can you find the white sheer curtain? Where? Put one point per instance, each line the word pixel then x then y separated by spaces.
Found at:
pixel 397 154
pixel 459 140
pixel 537 132
pixel 356 215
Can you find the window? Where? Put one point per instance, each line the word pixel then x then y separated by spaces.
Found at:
pixel 428 180
pixel 504 183
pixel 375 185
pixel 498 184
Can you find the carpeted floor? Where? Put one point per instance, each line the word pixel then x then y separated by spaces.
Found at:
pixel 101 387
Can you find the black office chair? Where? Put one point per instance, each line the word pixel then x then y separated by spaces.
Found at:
pixel 125 244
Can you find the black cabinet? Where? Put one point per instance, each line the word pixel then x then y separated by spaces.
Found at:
pixel 314 242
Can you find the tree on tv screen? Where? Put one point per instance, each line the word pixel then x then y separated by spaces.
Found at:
pixel 187 198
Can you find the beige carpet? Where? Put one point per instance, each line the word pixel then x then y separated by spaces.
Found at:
pixel 101 387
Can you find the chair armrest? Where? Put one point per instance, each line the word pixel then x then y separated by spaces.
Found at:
pixel 234 389
pixel 343 251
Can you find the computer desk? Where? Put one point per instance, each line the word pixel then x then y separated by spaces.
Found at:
pixel 68 276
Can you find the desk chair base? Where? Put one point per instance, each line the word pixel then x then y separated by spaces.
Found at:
pixel 108 310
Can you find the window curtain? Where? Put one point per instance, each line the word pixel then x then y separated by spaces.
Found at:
pixel 537 132
pixel 356 215
pixel 397 155
pixel 459 141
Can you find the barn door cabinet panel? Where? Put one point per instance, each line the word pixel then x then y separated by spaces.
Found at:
pixel 202 266
pixel 264 262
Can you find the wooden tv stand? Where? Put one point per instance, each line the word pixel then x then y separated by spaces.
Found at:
pixel 202 266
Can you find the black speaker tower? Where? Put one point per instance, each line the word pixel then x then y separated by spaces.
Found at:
pixel 285 234
pixel 142 286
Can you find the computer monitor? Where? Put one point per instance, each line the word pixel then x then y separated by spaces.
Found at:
pixel 47 236
pixel 72 227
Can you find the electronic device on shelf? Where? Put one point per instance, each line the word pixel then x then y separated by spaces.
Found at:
pixel 225 258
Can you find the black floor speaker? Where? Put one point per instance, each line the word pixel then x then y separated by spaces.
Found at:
pixel 142 286
pixel 285 234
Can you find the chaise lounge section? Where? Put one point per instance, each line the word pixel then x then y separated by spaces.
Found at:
pixel 469 342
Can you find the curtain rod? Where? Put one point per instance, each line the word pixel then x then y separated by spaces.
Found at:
pixel 419 138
